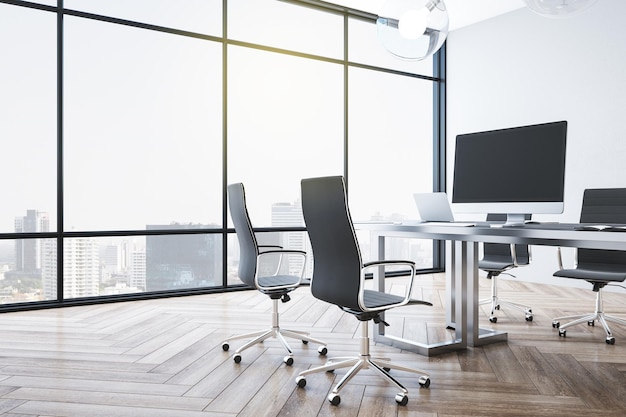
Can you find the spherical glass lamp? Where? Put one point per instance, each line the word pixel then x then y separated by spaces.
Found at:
pixel 412 29
pixel 558 8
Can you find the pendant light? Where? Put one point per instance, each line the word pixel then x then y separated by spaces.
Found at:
pixel 412 29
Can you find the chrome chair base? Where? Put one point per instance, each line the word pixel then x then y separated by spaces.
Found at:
pixel 364 361
pixel 497 303
pixel 276 332
pixel 590 319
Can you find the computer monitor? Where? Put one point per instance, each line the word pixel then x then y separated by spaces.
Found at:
pixel 514 171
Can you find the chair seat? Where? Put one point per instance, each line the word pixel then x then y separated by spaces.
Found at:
pixel 597 273
pixel 277 280
pixel 376 299
pixel 495 264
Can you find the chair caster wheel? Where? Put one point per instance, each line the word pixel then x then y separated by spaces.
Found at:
pixel 497 307
pixel 493 319
pixel 301 382
pixel 334 399
pixel 322 350
pixel 610 340
pixel 529 317
pixel 305 342
pixel 225 347
pixel 288 360
pixel 591 323
pixel 402 399
pixel 237 358
pixel 424 381
pixel 562 333
pixel 556 324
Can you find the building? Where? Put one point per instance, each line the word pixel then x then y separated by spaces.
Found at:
pixel 81 268
pixel 290 215
pixel 28 251
pixel 182 261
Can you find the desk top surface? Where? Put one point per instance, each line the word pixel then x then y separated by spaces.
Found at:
pixel 551 234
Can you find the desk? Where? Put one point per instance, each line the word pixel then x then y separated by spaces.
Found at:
pixel 462 269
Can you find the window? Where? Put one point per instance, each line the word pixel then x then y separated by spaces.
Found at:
pixel 201 16
pixel 143 128
pixel 123 123
pixel 285 123
pixel 28 126
pixel 280 24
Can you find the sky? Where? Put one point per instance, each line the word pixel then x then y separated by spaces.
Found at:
pixel 143 115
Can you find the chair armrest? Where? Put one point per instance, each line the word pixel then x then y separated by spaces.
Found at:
pixel 293 251
pixel 263 248
pixel 382 263
pixel 280 252
pixel 571 263
pixel 513 255
pixel 388 262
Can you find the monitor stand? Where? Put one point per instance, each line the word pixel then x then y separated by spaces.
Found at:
pixel 512 219
pixel 515 219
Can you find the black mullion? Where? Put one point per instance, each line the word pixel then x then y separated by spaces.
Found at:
pixel 224 144
pixel 439 143
pixel 346 69
pixel 60 190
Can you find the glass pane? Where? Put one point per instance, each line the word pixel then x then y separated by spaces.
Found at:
pixel 201 16
pixel 28 127
pixel 290 264
pixel 143 128
pixel 110 266
pixel 285 123
pixel 419 251
pixel 287 26
pixel 391 147
pixel 25 270
pixel 177 262
pixel 364 48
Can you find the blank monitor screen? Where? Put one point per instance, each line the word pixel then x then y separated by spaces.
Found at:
pixel 517 170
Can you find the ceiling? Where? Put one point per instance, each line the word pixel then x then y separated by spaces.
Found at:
pixel 461 12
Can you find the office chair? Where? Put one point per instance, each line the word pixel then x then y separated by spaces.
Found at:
pixel 339 278
pixel 498 258
pixel 599 267
pixel 277 286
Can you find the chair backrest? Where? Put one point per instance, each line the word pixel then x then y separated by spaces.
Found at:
pixel 503 250
pixel 248 246
pixel 336 257
pixel 603 206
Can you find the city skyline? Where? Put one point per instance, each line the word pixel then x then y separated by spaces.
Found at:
pixel 105 266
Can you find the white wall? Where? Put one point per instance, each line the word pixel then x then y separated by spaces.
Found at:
pixel 521 68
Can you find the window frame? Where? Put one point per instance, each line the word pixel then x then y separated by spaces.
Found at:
pixel 439 147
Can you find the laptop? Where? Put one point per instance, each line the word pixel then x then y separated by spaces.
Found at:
pixel 434 207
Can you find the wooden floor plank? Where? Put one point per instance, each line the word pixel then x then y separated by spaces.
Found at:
pixel 164 357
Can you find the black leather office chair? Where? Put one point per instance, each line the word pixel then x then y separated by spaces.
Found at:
pixel 339 278
pixel 498 258
pixel 599 267
pixel 277 286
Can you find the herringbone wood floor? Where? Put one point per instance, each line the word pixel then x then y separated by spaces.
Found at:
pixel 164 358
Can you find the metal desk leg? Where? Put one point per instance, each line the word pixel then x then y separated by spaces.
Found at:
pixel 476 336
pixel 450 284
pixel 460 310
pixel 458 302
